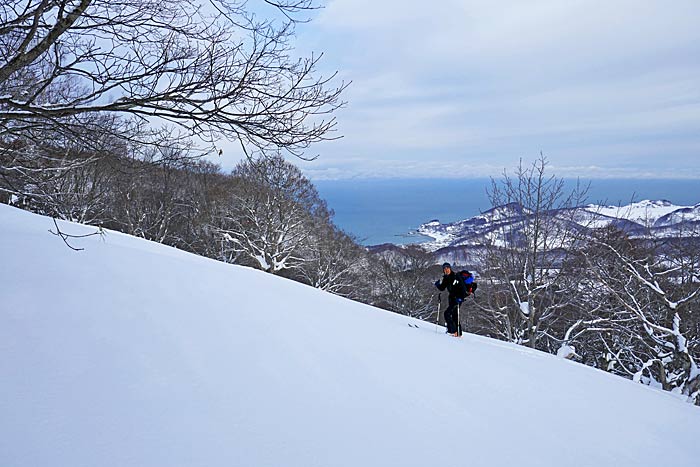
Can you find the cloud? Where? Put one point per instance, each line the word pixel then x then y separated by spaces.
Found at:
pixel 482 83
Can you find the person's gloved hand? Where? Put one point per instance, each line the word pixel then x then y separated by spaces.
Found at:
pixel 437 283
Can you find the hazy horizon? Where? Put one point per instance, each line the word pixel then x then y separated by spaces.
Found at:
pixel 386 211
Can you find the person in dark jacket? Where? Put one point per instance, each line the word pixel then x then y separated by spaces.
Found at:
pixel 456 289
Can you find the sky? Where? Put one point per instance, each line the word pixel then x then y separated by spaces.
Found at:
pixel 466 88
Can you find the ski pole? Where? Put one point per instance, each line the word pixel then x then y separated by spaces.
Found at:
pixel 459 320
pixel 437 318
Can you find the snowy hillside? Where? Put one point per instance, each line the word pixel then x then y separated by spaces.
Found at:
pixel 645 213
pixel 130 353
pixel 659 218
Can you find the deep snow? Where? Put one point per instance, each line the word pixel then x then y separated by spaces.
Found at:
pixel 130 353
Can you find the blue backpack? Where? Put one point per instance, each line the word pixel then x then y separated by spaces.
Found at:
pixel 468 280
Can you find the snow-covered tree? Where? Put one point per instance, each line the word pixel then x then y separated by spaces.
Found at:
pixel 525 265
pixel 333 261
pixel 401 284
pixel 88 79
pixel 269 217
pixel 647 319
pixel 78 195
pixel 151 200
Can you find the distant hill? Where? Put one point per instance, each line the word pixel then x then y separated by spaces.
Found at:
pixel 659 219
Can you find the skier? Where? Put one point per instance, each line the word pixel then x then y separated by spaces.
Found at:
pixel 457 294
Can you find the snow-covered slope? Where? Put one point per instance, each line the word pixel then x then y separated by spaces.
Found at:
pixel 134 354
pixel 645 212
pixel 657 218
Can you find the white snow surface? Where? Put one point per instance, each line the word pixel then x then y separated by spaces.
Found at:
pixel 566 351
pixel 525 308
pixel 645 212
pixel 130 353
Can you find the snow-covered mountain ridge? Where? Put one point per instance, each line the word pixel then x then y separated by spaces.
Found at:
pixel 134 353
pixel 655 218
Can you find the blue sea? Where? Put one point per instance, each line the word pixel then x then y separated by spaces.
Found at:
pixel 389 211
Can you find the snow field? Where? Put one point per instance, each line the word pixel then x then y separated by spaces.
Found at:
pixel 133 353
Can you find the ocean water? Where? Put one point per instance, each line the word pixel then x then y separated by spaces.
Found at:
pixel 389 211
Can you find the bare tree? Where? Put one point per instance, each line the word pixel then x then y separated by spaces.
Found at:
pixel 80 73
pixel 211 68
pixel 647 319
pixel 402 282
pixel 270 213
pixel 79 195
pixel 525 262
pixel 333 261
pixel 151 200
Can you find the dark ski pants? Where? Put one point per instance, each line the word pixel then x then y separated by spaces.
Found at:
pixel 451 316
